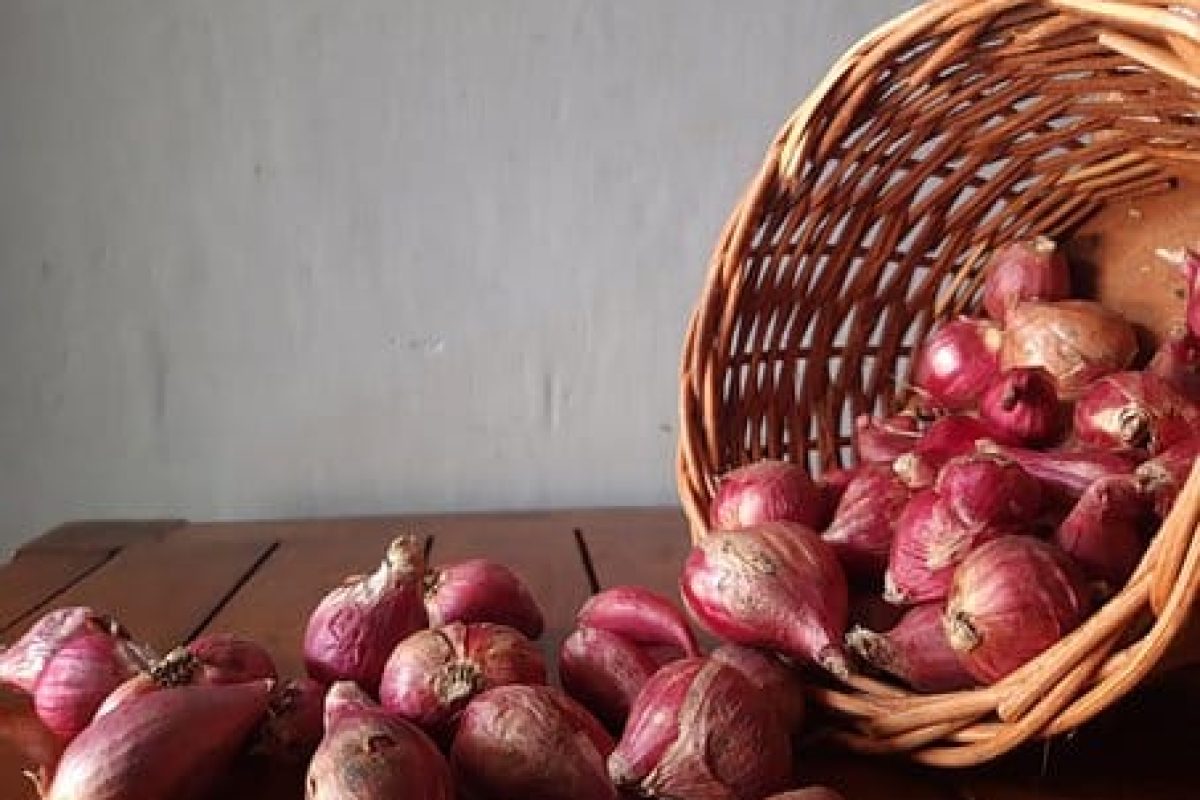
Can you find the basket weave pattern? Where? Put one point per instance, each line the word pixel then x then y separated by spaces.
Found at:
pixel 953 128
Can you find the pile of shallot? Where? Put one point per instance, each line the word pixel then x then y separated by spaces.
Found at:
pixel 422 683
pixel 1016 494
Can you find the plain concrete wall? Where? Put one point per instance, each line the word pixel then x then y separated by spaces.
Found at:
pixel 294 257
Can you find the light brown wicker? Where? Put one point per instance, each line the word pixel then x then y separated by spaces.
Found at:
pixel 956 126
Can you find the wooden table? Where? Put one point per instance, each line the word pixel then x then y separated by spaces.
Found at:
pixel 169 581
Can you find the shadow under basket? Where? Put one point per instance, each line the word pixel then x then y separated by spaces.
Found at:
pixel 958 126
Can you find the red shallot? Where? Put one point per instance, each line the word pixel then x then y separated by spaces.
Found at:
pixel 1107 530
pixel 354 628
pixel 82 673
pixel 864 523
pixel 957 361
pixel 948 437
pixel 531 742
pixel 1164 475
pixel 23 662
pixel 1065 472
pixel 433 674
pixel 1021 405
pixel 766 491
pixel 1134 410
pixel 700 729
pixel 640 615
pixel 986 489
pixel 231 658
pixel 777 586
pixel 882 441
pixel 930 542
pixel 294 723
pixel 1076 341
pixel 916 651
pixel 604 672
pixel 773 679
pixel 370 754
pixel 1010 600
pixel 1025 270
pixel 1177 362
pixel 479 590
pixel 162 746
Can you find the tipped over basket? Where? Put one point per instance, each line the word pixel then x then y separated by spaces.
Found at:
pixel 957 126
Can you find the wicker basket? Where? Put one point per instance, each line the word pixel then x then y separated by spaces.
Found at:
pixel 956 126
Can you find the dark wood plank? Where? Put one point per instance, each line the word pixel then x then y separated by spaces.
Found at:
pixel 644 546
pixel 35 577
pixel 538 547
pixel 164 590
pixel 106 534
pixel 310 559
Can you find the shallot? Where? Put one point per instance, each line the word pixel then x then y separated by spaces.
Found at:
pixel 640 615
pixel 957 361
pixel 1025 270
pixel 480 590
pixel 531 742
pixel 773 679
pixel 880 441
pixel 369 754
pixel 162 746
pixel 931 540
pixel 916 651
pixel 1064 472
pixel 766 491
pixel 432 675
pixel 700 729
pixel 987 489
pixel 777 586
pixel 1134 410
pixel 1164 475
pixel 1021 405
pixel 864 523
pixel 354 628
pixel 231 658
pixel 604 672
pixel 1177 362
pixel 1010 600
pixel 1106 531
pixel 23 662
pixel 1076 341
pixel 80 675
pixel 948 437
pixel 294 723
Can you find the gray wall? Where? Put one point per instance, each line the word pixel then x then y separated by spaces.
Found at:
pixel 294 257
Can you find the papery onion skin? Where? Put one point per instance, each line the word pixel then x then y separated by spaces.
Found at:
pixel 987 489
pixel 1076 341
pixel 777 586
pixel 1177 362
pixel 956 362
pixel 1106 531
pixel 81 674
pixel 882 441
pixel 370 754
pixel 1134 410
pixel 916 651
pixel 23 662
pixel 767 491
pixel 531 742
pixel 1164 475
pixel 1012 599
pixel 481 590
pixel 700 729
pixel 432 675
pixel 1021 405
pixel 1032 269
pixel 354 628
pixel 163 746
pixel 641 616
pixel 604 672
pixel 931 540
pixel 777 682
pixel 864 524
